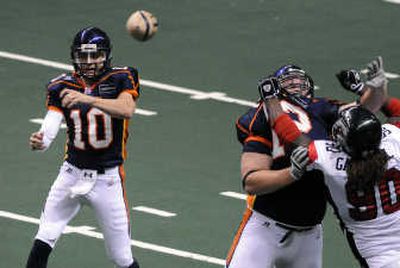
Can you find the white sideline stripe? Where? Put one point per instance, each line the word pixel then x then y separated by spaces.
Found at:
pixel 154 211
pixel 56 65
pixel 145 112
pixel 392 1
pixel 84 230
pixel 195 94
pixel 234 195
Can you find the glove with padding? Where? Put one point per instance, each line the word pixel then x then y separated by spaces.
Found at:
pixel 351 80
pixel 375 74
pixel 299 160
pixel 268 88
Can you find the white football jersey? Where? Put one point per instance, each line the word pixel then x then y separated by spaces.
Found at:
pixel 371 218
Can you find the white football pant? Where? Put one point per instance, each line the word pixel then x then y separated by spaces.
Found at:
pixel 260 243
pixel 108 202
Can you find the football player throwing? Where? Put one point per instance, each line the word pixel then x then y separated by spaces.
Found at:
pixel 96 102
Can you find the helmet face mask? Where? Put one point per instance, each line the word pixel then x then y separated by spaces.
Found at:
pixel 295 84
pixel 90 64
pixel 91 53
pixel 358 131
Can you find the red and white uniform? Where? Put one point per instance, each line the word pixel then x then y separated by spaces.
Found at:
pixel 370 218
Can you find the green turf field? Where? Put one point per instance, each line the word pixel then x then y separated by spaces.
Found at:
pixel 184 155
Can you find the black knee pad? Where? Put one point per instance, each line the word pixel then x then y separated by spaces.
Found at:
pixel 39 255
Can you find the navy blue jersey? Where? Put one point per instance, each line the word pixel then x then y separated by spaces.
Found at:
pixel 95 139
pixel 302 203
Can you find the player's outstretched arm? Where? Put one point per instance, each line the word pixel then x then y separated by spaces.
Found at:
pixel 372 92
pixel 122 107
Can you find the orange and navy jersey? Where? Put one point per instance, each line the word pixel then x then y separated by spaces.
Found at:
pixel 302 203
pixel 95 139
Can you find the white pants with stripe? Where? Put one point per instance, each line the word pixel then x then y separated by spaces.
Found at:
pixel 107 200
pixel 260 243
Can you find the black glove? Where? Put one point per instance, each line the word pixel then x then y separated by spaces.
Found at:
pixel 299 160
pixel 351 80
pixel 375 74
pixel 268 88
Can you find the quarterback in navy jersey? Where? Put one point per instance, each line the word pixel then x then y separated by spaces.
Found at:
pixel 96 101
pixel 98 140
pixel 281 225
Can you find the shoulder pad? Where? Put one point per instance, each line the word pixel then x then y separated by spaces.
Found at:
pixel 60 77
pixel 253 122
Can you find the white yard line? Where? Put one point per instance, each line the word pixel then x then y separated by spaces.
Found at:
pixel 392 1
pixel 88 231
pixel 158 212
pixel 194 94
pixel 145 112
pixel 234 195
pixel 75 229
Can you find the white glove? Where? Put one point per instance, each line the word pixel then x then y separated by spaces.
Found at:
pixel 299 160
pixel 375 74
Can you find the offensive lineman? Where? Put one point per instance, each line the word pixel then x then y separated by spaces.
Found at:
pixel 282 223
pixel 96 101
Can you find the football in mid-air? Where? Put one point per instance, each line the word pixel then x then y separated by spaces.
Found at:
pixel 142 25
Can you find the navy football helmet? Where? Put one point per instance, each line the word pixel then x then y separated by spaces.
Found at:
pixel 91 52
pixel 358 131
pixel 295 84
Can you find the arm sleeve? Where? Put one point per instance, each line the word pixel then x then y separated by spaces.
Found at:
pixel 50 127
pixel 313 155
pixel 392 107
